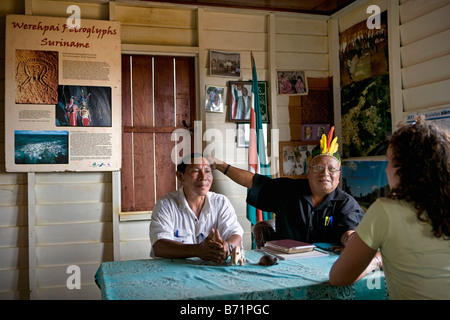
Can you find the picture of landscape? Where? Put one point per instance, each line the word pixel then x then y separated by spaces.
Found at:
pixel 41 147
pixel 366 117
pixel 365 181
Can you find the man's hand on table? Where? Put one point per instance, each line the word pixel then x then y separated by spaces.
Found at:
pixel 214 248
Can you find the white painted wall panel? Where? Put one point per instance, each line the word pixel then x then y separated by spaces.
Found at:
pixel 78 254
pixel 288 24
pixel 13 257
pixel 412 9
pixel 239 22
pixel 427 25
pixel 301 43
pixel 74 233
pixel 73 193
pixel 136 249
pixel 427 96
pixel 87 292
pixel 12 216
pixel 73 213
pixel 13 236
pixel 53 276
pixel 432 47
pixel 425 54
pixel 157 17
pixel 427 72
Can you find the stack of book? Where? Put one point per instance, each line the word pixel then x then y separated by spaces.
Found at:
pixel 291 249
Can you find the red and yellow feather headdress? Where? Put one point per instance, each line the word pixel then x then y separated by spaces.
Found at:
pixel 327 147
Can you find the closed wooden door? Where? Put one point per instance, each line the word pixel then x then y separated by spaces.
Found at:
pixel 158 93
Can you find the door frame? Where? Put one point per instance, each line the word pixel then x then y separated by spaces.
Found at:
pixel 117 215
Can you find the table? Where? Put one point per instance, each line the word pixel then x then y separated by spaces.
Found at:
pixel 184 279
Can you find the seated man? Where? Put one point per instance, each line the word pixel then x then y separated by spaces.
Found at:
pixel 309 210
pixel 192 221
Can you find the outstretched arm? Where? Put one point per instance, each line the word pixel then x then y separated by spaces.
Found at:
pixel 240 176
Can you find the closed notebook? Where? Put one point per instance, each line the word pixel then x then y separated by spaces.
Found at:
pixel 293 256
pixel 289 246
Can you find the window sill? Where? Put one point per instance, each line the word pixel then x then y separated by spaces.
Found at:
pixel 135 216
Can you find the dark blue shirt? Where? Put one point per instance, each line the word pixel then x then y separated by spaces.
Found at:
pixel 295 215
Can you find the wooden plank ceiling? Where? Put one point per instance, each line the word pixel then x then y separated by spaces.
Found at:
pixel 320 7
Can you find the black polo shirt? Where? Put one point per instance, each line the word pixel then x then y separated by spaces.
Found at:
pixel 296 218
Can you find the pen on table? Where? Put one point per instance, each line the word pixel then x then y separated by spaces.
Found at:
pixel 326 220
pixel 176 233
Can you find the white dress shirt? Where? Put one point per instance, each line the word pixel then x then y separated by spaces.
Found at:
pixel 173 219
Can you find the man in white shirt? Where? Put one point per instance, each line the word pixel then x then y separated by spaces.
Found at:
pixel 193 221
pixel 244 103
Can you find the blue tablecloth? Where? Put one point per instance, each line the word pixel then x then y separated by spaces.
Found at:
pixel 181 279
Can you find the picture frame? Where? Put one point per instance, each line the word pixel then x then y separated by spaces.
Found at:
pixel 240 93
pixel 214 98
pixel 243 134
pixel 292 82
pixel 294 158
pixel 224 64
pixel 313 132
pixel 263 101
pixel 240 101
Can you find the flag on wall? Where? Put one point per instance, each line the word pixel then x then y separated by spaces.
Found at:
pixel 257 158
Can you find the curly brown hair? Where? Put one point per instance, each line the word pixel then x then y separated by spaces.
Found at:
pixel 421 152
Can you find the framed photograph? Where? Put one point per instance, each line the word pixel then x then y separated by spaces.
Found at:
pixel 294 158
pixel 263 101
pixel 365 180
pixel 243 134
pixel 314 131
pixel 292 82
pixel 214 98
pixel 240 101
pixel 224 64
pixel 240 93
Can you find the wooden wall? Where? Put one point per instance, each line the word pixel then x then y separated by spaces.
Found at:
pixel 49 221
pixel 425 54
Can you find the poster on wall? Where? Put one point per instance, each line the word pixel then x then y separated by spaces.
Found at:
pixel 365 92
pixel 62 95
pixel 440 117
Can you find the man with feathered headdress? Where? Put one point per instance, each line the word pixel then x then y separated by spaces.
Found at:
pixel 309 210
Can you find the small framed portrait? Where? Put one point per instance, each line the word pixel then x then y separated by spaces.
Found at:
pixel 214 98
pixel 240 101
pixel 292 82
pixel 240 97
pixel 294 157
pixel 314 131
pixel 224 64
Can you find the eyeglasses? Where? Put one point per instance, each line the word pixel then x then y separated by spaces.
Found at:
pixel 320 167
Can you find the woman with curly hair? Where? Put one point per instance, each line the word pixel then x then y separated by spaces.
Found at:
pixel 411 227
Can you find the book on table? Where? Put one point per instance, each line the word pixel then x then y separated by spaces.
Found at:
pixel 292 256
pixel 289 246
